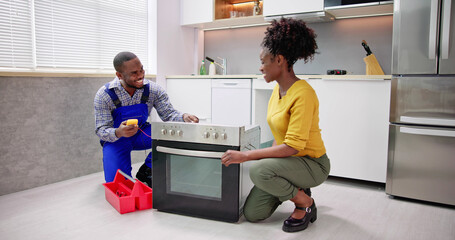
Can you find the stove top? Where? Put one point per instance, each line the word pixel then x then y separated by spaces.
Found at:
pixel 202 132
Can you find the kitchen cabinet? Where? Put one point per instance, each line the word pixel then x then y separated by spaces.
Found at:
pixel 191 96
pixel 231 101
pixel 260 101
pixel 218 101
pixel 196 11
pixel 208 14
pixel 354 118
pixel 216 14
pixel 282 7
pixel 341 9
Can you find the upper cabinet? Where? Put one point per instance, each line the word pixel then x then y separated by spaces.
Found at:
pixel 206 14
pixel 325 10
pixel 309 11
pixel 283 7
pixel 196 11
pixel 230 9
pixel 218 14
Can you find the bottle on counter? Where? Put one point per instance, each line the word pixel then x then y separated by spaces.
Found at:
pixel 202 70
pixel 212 69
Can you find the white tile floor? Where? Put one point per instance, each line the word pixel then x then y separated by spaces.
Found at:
pixel 77 209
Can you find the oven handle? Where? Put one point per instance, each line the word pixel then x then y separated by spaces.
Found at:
pixel 191 153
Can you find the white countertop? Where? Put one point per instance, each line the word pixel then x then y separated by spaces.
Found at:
pixel 258 76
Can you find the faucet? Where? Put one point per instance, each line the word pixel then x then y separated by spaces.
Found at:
pixel 223 65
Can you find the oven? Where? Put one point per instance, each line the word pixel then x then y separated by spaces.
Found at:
pixel 188 177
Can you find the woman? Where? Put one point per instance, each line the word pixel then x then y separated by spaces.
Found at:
pixel 297 159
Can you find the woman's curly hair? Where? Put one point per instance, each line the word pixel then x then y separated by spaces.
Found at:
pixel 292 39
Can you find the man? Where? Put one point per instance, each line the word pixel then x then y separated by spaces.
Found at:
pixel 130 96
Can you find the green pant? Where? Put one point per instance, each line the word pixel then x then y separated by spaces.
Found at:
pixel 278 179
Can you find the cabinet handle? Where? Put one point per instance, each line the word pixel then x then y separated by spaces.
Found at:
pixel 445 34
pixel 428 132
pixel 230 83
pixel 433 27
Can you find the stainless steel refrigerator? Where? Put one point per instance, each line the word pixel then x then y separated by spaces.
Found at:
pixel 421 158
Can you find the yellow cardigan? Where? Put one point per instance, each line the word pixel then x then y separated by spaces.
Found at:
pixel 294 119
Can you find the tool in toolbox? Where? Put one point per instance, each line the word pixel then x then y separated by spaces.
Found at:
pixel 126 194
pixel 372 65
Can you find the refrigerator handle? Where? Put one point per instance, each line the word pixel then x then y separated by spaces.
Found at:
pixel 433 29
pixel 429 132
pixel 445 34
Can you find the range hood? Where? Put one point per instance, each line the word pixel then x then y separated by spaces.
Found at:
pixel 310 17
pixel 370 9
pixel 361 10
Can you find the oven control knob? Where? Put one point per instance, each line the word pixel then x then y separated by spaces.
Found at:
pixel 179 133
pixel 163 131
pixel 224 136
pixel 215 135
pixel 206 134
pixel 171 132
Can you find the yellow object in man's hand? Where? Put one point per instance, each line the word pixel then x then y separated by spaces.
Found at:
pixel 131 122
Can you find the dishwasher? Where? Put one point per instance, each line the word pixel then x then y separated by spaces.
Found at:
pixel 231 101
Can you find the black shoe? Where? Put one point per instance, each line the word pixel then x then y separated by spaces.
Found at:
pixel 294 225
pixel 145 175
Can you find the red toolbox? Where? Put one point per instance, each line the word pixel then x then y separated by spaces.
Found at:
pixel 127 194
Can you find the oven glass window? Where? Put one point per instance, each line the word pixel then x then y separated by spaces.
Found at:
pixel 194 176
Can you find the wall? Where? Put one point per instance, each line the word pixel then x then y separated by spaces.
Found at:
pixel 176 44
pixel 47 130
pixel 339 46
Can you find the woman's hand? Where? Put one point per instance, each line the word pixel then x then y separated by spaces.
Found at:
pixel 232 156
pixel 277 151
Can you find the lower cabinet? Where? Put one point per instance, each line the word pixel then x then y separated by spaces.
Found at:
pixel 354 116
pixel 231 101
pixel 191 96
pixel 260 101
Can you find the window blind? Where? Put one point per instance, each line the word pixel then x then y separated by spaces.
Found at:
pixel 82 34
pixel 16 48
pixel 87 33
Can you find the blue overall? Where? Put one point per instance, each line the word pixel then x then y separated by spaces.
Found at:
pixel 117 155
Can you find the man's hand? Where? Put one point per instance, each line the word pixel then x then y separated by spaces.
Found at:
pixel 190 118
pixel 126 130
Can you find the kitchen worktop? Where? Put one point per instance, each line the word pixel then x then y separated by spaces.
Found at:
pixel 345 77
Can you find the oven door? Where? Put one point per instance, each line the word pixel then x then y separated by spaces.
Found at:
pixel 189 179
